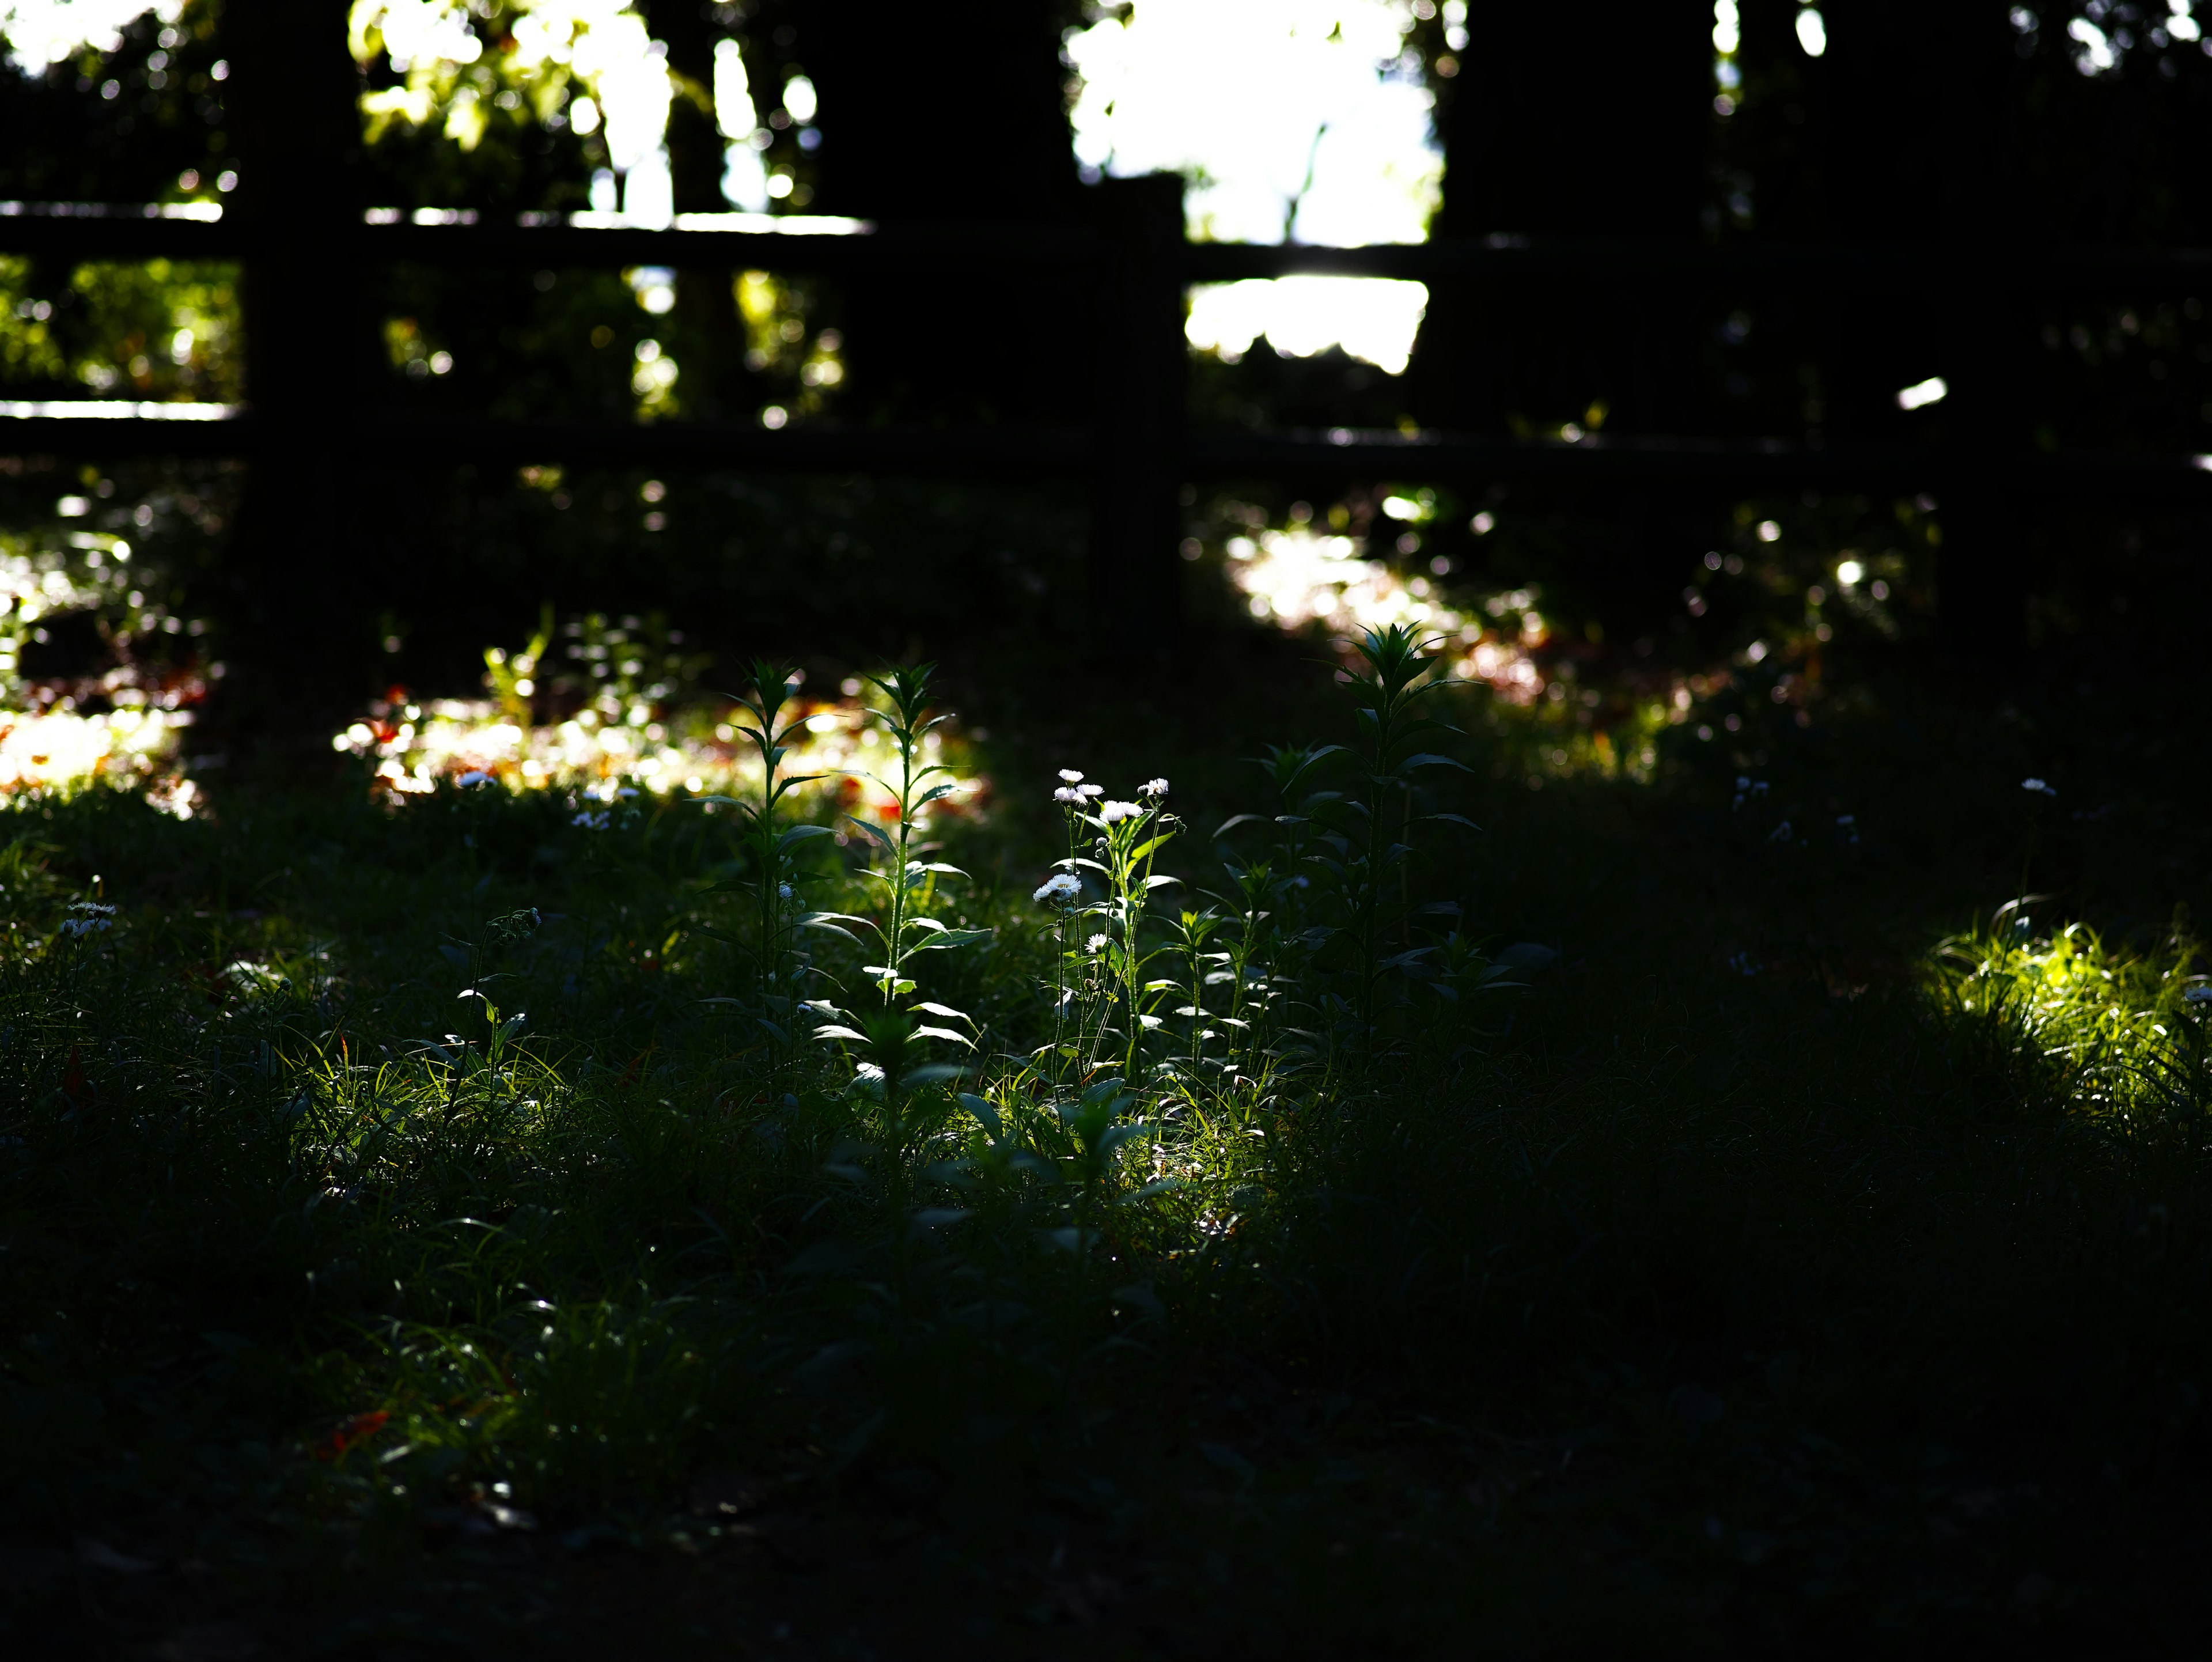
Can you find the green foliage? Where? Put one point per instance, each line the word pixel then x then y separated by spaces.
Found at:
pixel 161 331
pixel 492 131
pixel 306 1216
pixel 2117 1036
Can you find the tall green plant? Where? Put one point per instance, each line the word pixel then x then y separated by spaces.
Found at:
pixel 1389 696
pixel 889 1035
pixel 1280 908
pixel 1127 839
pixel 771 848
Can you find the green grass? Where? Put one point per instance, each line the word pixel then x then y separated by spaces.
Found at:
pixel 1805 1259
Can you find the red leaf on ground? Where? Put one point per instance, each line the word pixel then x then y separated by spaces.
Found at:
pixel 75 1085
pixel 357 1429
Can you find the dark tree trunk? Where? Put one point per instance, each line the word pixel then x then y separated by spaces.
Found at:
pixel 1570 124
pixel 295 639
pixel 1917 149
pixel 937 116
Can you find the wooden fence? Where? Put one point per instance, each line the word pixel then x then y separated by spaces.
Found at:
pixel 1135 265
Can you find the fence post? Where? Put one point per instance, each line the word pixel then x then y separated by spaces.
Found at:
pixel 292 612
pixel 1135 577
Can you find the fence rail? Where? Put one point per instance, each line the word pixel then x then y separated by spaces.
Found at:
pixel 102 231
pixel 1062 452
pixel 1138 264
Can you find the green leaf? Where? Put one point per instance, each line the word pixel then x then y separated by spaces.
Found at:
pixel 1430 759
pixel 947 1011
pixel 950 938
pixel 986 1115
pixel 840 1032
pixel 1115 1135
pixel 882 837
pixel 945 1032
pixel 800 834
pixel 833 922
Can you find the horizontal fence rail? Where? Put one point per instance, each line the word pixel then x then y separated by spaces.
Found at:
pixel 1050 452
pixel 458 239
pixel 461 239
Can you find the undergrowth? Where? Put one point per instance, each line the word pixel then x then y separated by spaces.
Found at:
pixel 479 1170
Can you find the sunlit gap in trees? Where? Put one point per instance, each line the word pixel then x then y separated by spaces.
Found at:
pixel 1295 120
pixel 43 32
pixel 592 65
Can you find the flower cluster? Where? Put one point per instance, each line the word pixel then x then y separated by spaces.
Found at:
pixel 1064 890
pixel 90 918
pixel 2038 787
pixel 1153 788
pixel 1073 792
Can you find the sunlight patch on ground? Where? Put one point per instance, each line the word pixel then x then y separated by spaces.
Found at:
pixel 487 741
pixel 120 727
pixel 1302 576
pixel 60 749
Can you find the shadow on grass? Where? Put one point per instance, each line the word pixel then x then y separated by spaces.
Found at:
pixel 1756 1276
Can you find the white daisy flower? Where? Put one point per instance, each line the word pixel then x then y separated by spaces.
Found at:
pixel 1061 891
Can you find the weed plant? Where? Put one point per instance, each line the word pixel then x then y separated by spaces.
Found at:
pixel 1210 1209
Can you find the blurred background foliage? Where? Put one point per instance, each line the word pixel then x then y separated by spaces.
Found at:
pixel 1685 120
